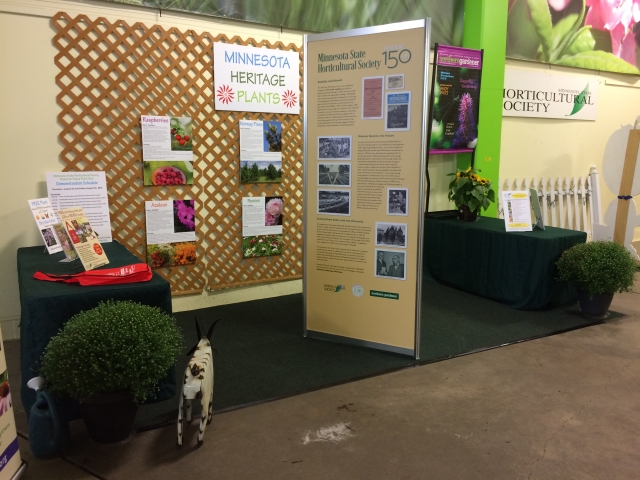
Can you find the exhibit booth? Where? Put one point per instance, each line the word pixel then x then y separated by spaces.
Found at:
pixel 347 199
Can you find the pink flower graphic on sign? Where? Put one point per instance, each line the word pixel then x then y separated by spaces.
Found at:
pixel 618 18
pixel 225 94
pixel 289 98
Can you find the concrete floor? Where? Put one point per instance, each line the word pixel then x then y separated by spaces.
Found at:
pixel 559 407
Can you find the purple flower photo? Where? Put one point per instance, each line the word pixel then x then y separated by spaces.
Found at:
pixel 467 128
pixel 184 213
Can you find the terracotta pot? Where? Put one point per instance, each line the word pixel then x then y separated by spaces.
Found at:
pixel 466 215
pixel 109 417
pixel 596 307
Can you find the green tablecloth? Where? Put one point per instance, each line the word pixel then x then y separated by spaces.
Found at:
pixel 46 306
pixel 515 268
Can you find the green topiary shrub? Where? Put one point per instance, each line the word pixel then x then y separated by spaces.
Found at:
pixel 598 267
pixel 119 345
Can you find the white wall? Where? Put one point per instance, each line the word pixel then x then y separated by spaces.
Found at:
pixel 544 147
pixel 29 130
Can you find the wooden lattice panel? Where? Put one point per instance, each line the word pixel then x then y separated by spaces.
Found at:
pixel 110 74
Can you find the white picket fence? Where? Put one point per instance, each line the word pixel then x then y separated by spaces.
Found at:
pixel 566 202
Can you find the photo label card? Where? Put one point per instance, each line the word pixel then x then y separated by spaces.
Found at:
pixel 83 237
pixel 262 226
pixel 171 232
pixel 167 150
pixel 260 151
pixel 45 220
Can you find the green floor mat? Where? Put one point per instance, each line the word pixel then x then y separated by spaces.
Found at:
pixel 260 353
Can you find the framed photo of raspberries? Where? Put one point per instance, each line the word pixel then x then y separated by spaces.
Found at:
pixel 167 150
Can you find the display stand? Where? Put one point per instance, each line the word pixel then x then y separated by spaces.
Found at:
pixel 451 52
pixel 366 93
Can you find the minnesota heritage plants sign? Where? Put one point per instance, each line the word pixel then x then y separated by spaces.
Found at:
pixel 250 79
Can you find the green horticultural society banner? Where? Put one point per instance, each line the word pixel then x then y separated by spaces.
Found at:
pixel 447 16
pixel 594 34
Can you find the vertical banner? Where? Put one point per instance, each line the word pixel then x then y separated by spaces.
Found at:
pixel 10 461
pixel 365 146
pixel 456 97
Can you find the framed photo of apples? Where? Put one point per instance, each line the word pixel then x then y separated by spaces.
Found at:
pixel 167 150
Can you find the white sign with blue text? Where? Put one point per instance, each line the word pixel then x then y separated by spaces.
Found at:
pixel 250 79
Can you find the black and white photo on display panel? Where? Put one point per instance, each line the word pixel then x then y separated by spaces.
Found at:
pixel 334 173
pixel 334 202
pixel 391 234
pixel 390 264
pixel 397 201
pixel 334 147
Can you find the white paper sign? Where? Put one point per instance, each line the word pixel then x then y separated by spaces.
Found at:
pixel 254 144
pixel 45 219
pixel 255 220
pixel 82 189
pixel 164 227
pixel 517 211
pixel 171 232
pixel 250 79
pixel 548 95
pixel 166 138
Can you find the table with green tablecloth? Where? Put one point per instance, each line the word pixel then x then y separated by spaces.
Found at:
pixel 515 268
pixel 46 306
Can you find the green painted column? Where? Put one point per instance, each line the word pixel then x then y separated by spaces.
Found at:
pixel 485 26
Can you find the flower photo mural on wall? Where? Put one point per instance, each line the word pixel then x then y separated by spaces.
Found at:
pixel 447 16
pixel 594 34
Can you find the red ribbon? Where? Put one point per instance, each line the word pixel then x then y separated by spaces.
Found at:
pixel 138 272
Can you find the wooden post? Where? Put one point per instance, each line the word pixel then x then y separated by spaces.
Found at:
pixel 628 172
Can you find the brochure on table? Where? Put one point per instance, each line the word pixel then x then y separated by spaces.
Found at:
pixel 171 232
pixel 83 237
pixel 261 226
pixel 517 211
pixel 365 148
pixel 260 151
pixel 45 219
pixel 167 150
pixel 82 189
pixel 10 461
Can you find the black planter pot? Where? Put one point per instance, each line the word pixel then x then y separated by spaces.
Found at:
pixel 596 307
pixel 466 215
pixel 109 417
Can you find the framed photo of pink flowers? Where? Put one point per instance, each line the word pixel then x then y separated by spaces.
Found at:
pixel 262 226
pixel 594 34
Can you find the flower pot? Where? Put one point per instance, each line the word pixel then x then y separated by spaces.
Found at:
pixel 466 215
pixel 596 307
pixel 109 417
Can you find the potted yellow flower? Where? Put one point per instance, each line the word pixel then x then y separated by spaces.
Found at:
pixel 470 192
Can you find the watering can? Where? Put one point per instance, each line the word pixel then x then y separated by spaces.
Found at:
pixel 48 432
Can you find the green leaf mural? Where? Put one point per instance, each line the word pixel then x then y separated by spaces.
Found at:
pixel 598 60
pixel 541 19
pixel 447 17
pixel 575 34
